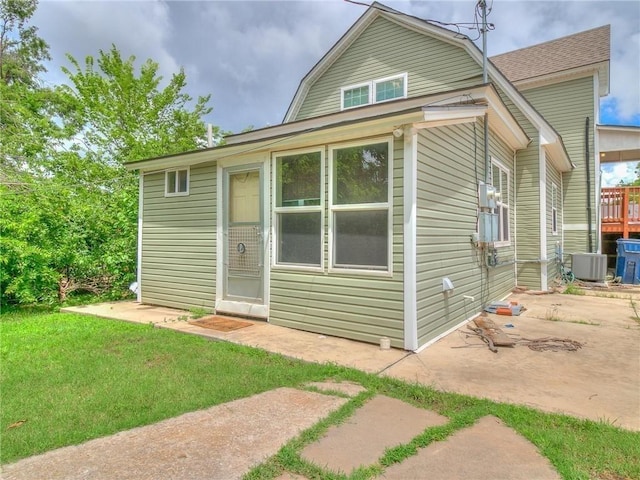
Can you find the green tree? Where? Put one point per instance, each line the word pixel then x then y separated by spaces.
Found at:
pixel 69 222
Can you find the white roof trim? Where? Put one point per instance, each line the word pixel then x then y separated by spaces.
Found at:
pixel 351 124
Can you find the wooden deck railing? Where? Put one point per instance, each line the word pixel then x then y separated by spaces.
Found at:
pixel 620 210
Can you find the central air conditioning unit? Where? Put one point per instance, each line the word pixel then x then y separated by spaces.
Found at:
pixel 589 266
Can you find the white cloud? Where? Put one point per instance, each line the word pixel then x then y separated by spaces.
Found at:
pixel 251 56
pixel 615 173
pixel 141 29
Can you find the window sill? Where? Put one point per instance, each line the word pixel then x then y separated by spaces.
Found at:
pixel 179 194
pixel 360 272
pixel 297 268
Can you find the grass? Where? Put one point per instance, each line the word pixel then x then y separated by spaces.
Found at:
pixel 573 289
pixel 553 316
pixel 73 378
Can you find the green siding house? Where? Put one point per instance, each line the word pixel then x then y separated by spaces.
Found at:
pixel 378 208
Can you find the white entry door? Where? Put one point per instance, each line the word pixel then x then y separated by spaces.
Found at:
pixel 243 227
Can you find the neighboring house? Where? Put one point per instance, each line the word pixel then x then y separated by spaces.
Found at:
pixel 372 210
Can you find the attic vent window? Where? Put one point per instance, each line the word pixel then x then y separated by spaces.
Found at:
pixel 375 91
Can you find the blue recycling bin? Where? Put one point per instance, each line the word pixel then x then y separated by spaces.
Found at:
pixel 628 261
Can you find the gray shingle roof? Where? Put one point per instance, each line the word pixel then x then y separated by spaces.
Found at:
pixel 574 51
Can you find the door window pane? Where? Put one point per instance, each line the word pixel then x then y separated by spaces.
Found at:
pixel 361 174
pixel 299 238
pixel 361 239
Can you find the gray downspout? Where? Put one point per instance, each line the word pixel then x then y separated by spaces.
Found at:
pixel 587 163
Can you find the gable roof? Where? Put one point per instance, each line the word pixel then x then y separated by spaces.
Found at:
pixel 582 51
pixel 419 112
pixel 549 136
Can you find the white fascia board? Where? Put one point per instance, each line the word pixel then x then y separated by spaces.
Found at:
pixel 461 109
pixel 453 112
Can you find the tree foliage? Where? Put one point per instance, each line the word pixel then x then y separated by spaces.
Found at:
pixel 69 206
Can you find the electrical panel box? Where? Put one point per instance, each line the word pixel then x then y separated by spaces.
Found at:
pixel 488 196
pixel 488 227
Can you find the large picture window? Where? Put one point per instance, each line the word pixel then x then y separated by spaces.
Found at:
pixel 298 208
pixel 500 180
pixel 360 206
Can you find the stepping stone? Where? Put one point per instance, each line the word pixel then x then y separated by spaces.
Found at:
pixel 348 388
pixel 221 442
pixel 489 450
pixel 381 423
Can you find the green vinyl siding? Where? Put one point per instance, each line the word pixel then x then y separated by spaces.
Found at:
pixel 362 307
pixel 450 165
pixel 386 49
pixel 179 242
pixel 566 106
pixel 527 202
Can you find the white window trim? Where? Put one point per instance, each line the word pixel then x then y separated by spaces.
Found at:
pixel 500 203
pixel 362 207
pixel 301 209
pixel 554 209
pixel 352 87
pixel 386 79
pixel 166 182
pixel 372 90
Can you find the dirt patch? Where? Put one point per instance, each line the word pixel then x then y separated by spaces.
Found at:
pixel 222 324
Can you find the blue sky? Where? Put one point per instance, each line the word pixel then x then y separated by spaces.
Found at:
pixel 251 56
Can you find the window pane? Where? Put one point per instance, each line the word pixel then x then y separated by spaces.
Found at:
pixel 504 221
pixel 182 180
pixel 390 89
pixel 361 174
pixel 356 96
pixel 299 238
pixel 504 186
pixel 298 180
pixel 361 239
pixel 171 182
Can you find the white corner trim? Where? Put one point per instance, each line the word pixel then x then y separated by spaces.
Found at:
pixel 140 224
pixel 543 217
pixel 410 238
pixel 219 233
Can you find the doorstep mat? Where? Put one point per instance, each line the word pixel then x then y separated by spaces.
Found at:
pixel 222 324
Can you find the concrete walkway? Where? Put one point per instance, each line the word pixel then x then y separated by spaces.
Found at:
pixel 226 441
pixel 600 382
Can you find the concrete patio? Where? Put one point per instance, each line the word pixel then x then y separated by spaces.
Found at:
pixel 601 381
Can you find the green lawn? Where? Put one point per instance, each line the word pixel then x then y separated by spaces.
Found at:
pixel 71 378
